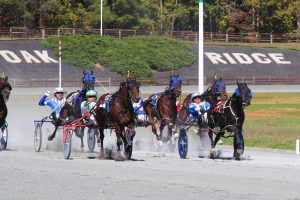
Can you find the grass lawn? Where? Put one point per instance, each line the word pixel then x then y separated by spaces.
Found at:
pixel 272 121
pixel 292 46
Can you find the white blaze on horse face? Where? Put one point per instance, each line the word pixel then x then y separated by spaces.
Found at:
pixel 29 58
pixel 44 56
pixel 278 58
pixel 10 56
pixel 243 58
pixel 261 58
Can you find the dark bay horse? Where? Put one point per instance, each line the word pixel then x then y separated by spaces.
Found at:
pixel 71 110
pixel 161 109
pixel 231 119
pixel 5 89
pixel 119 114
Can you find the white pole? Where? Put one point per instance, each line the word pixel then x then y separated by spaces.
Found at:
pixel 59 49
pixel 101 20
pixel 297 147
pixel 201 49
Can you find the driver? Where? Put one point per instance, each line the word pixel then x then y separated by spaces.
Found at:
pixel 197 107
pixel 88 105
pixel 56 103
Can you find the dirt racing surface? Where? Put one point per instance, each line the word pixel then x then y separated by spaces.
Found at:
pixel 152 174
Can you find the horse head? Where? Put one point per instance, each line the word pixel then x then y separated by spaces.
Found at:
pixel 175 84
pixel 133 88
pixel 243 93
pixel 5 87
pixel 88 80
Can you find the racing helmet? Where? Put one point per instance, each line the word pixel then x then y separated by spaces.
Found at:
pixel 91 93
pixel 58 89
pixel 196 94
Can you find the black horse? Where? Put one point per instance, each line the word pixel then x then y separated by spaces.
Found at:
pixel 231 119
pixel 161 109
pixel 71 110
pixel 117 115
pixel 5 89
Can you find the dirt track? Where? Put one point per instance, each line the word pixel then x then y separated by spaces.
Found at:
pixel 25 174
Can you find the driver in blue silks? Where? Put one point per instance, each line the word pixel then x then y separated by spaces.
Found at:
pixel 198 108
pixel 56 103
pixel 138 108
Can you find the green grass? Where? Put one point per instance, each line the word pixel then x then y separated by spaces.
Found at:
pixel 140 55
pixel 270 124
pixel 291 46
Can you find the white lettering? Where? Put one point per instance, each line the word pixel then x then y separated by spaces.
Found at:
pixel 215 58
pixel 229 58
pixel 28 57
pixel 243 58
pixel 278 58
pixel 261 58
pixel 10 56
pixel 44 56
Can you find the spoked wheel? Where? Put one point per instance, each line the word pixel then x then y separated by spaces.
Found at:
pixel 182 143
pixel 129 135
pixel 91 139
pixel 37 137
pixel 67 143
pixel 4 137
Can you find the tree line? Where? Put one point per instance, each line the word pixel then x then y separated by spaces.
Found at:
pixel 225 16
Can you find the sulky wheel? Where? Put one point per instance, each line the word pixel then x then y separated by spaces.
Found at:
pixel 68 143
pixel 91 140
pixel 37 137
pixel 182 143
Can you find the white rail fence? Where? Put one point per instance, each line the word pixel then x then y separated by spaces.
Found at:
pixel 254 80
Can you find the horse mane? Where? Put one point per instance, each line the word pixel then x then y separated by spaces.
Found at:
pixel 4 85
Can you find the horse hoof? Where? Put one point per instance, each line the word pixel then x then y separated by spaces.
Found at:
pixel 119 157
pixel 212 154
pixel 102 155
pixel 50 138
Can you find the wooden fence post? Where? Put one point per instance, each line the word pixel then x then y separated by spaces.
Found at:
pixel 227 38
pixel 43 33
pixel 271 39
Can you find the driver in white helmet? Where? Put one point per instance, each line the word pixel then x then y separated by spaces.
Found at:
pixel 88 105
pixel 198 107
pixel 56 103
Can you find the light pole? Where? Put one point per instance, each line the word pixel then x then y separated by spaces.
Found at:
pixel 200 49
pixel 101 21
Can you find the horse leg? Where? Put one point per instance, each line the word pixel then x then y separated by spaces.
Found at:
pixel 101 139
pixel 238 145
pixel 79 132
pixel 52 136
pixel 212 152
pixel 119 156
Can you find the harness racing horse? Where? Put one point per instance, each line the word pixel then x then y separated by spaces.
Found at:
pixel 161 109
pixel 119 114
pixel 231 119
pixel 5 89
pixel 71 110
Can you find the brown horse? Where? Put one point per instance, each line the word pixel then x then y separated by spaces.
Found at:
pixel 119 114
pixel 5 89
pixel 161 109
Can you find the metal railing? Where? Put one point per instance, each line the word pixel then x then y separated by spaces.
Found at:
pixel 23 32
pixel 254 80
